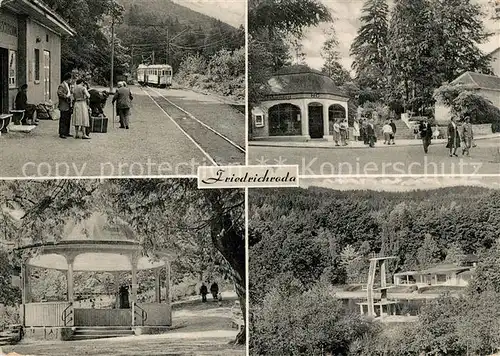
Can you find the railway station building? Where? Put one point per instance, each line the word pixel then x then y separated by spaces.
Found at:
pixel 302 104
pixel 30 51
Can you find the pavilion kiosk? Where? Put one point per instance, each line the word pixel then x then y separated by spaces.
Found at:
pixel 96 246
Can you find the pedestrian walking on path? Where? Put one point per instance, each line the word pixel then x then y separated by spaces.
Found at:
pixel 467 136
pixel 65 106
pixel 387 131
pixel 214 289
pixel 425 130
pixel 453 137
pixel 370 133
pixel 203 292
pixel 81 119
pixel 394 129
pixel 123 98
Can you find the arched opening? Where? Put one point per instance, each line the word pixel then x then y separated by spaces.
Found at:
pixel 336 111
pixel 284 120
pixel 316 120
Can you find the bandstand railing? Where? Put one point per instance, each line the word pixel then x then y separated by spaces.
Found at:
pixel 67 315
pixel 141 313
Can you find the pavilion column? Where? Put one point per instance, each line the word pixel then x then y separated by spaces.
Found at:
pixel 304 117
pixel 70 279
pixel 167 283
pixel 25 275
pixel 157 285
pixel 326 121
pixel 133 292
pixel 116 275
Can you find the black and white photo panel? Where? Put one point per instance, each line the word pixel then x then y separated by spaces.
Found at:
pixel 375 87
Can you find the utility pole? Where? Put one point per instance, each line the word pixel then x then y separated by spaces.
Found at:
pixel 167 49
pixel 153 58
pixel 112 52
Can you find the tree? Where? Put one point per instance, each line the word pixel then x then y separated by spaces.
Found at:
pixel 270 23
pixel 454 253
pixel 9 295
pixel 459 27
pixel 89 48
pixel 429 253
pixel 464 101
pixel 308 323
pixel 331 57
pixel 369 48
pixel 286 17
pixel 411 54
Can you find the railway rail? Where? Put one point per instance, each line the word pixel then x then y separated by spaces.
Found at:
pixel 217 147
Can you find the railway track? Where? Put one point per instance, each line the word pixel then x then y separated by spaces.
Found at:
pixel 218 148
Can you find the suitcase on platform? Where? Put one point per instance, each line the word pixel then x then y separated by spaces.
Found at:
pixel 99 124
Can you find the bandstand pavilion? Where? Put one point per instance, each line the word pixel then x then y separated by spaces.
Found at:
pixel 302 104
pixel 96 245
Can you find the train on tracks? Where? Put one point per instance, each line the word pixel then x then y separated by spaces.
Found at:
pixel 156 75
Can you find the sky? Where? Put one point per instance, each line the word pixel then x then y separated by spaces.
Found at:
pixel 346 14
pixel 232 12
pixel 399 184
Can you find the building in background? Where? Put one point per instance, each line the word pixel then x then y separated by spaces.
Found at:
pixel 30 51
pixel 302 104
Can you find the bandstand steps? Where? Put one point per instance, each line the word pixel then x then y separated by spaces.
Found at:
pixel 89 333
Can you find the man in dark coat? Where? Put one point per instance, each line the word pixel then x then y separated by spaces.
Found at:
pixel 425 130
pixel 393 135
pixel 453 137
pixel 214 289
pixel 370 133
pixel 123 98
pixel 65 105
pixel 203 292
pixel 21 103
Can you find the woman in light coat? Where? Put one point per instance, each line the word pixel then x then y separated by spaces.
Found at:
pixel 81 119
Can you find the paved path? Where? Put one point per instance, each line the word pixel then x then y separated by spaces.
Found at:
pixel 382 160
pixel 154 145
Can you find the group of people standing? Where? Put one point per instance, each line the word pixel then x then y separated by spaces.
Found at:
pixel 364 129
pixel 340 132
pixel 214 290
pixel 78 103
pixel 458 135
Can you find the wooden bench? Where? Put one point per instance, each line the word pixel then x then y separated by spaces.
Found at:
pixel 4 122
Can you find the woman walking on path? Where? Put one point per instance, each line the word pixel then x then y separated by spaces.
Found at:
pixel 81 119
pixel 453 137
pixel 467 136
pixel 355 130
